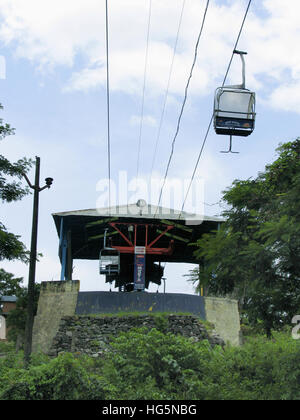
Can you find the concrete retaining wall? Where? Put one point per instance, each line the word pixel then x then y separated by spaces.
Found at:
pixel 224 314
pixel 57 299
pixel 2 328
pixel 62 298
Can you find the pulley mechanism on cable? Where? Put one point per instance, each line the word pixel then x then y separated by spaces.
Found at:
pixel 234 108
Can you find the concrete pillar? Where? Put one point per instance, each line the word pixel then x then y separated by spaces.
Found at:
pixel 57 299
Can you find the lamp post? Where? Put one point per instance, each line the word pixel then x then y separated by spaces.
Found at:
pixel 33 256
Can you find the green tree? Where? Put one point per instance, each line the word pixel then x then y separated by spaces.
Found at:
pixel 11 189
pixel 16 319
pixel 9 285
pixel 256 254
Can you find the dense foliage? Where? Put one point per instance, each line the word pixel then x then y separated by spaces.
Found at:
pixel 255 255
pixel 16 318
pixel 9 285
pixel 11 189
pixel 160 366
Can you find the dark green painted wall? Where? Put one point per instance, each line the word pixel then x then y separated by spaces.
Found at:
pixel 112 302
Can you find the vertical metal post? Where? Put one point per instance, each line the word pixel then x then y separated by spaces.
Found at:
pixel 164 280
pixel 33 257
pixel 32 265
pixel 104 240
pixel 243 71
pixel 69 256
pixel 64 249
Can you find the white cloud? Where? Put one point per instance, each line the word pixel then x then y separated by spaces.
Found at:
pixel 47 269
pixel 54 33
pixel 135 120
pixel 85 80
pixel 69 35
pixel 287 97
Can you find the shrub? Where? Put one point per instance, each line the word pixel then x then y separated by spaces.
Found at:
pixel 62 378
pixel 6 347
pixel 151 365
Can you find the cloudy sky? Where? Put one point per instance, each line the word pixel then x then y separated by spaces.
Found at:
pixel 53 89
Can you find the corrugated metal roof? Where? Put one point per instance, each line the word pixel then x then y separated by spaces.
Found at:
pixel 87 229
pixel 148 211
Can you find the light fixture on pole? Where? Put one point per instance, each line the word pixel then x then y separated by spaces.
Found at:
pixel 33 257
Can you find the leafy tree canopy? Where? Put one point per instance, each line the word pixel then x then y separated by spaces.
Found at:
pixel 16 319
pixel 9 285
pixel 256 254
pixel 11 189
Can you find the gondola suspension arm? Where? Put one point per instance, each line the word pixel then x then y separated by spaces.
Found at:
pixel 230 147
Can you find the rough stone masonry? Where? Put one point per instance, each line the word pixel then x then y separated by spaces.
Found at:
pixel 91 335
pixel 58 319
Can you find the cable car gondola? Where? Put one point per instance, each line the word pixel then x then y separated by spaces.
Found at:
pixel 109 260
pixel 234 108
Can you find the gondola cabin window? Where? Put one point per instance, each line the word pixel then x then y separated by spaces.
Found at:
pixel 234 111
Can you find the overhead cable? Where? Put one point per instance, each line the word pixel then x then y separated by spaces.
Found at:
pixel 108 103
pixel 167 89
pixel 184 102
pixel 144 88
pixel 211 119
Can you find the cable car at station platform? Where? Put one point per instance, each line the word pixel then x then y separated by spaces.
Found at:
pixel 109 260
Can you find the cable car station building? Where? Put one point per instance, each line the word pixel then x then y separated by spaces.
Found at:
pixel 131 242
pixel 140 237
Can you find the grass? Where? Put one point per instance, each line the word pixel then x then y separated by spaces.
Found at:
pixel 136 314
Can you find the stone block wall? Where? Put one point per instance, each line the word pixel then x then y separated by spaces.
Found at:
pixel 92 334
pixel 61 301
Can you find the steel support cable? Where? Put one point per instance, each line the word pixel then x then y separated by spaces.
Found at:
pixel 167 89
pixel 144 88
pixel 108 103
pixel 211 119
pixel 183 104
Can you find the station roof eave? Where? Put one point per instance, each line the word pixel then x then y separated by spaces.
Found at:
pixel 87 228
